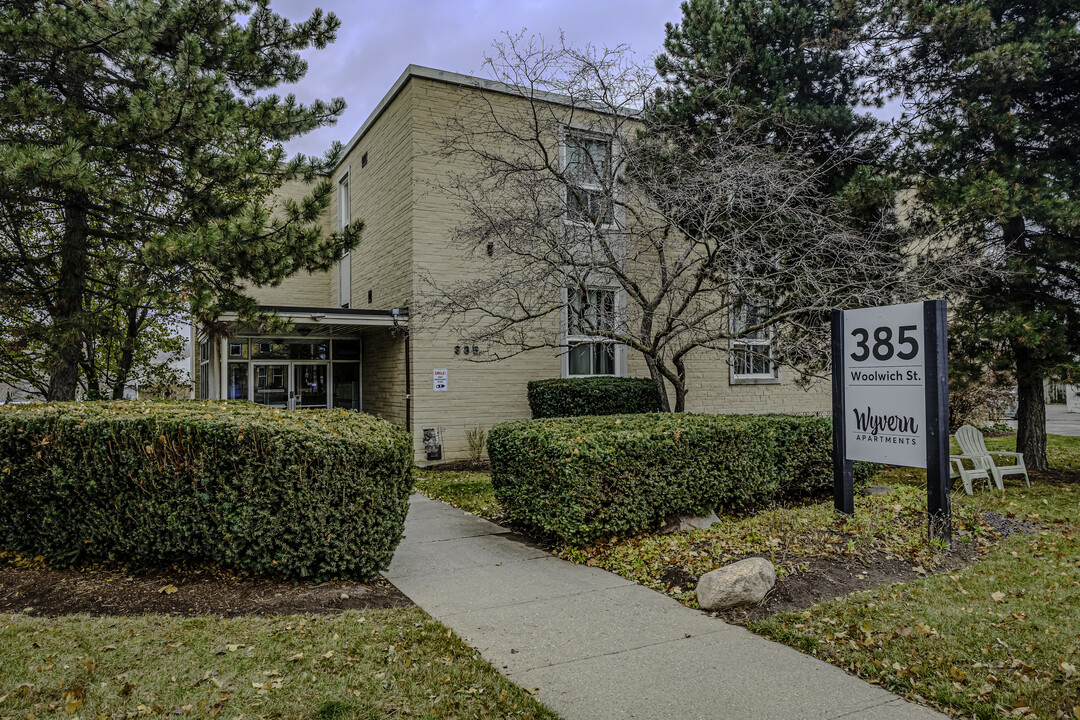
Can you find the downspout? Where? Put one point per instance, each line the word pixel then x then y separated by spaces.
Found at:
pixel 408 372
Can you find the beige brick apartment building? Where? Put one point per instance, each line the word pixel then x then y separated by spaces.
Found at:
pixel 352 346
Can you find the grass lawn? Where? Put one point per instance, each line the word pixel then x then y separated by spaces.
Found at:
pixel 470 491
pixel 371 664
pixel 999 638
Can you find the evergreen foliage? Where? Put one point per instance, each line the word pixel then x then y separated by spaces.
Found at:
pixel 317 494
pixel 991 144
pixel 587 478
pixel 568 397
pixel 140 148
pixel 785 68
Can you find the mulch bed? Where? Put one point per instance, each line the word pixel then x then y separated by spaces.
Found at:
pixel 29 587
pixel 828 578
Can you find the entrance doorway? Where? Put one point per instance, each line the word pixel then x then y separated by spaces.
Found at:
pixel 271 387
pixel 311 373
pixel 310 386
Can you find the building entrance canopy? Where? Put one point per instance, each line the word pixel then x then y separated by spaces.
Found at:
pixel 315 363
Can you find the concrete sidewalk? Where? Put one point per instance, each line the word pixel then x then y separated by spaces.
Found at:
pixel 596 646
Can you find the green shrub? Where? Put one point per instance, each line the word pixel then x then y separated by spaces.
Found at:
pixel 594 477
pixel 292 494
pixel 592 396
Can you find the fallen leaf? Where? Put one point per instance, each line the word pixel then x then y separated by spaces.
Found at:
pixel 998 597
pixel 169 589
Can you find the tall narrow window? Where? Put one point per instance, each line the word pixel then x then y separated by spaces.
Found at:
pixel 345 265
pixel 204 370
pixel 752 353
pixel 588 176
pixel 589 313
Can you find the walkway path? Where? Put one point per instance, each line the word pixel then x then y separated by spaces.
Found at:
pixel 595 646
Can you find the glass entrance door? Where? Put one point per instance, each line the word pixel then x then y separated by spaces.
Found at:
pixel 271 386
pixel 310 386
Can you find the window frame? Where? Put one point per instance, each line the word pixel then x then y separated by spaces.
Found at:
pixel 204 370
pixel 745 345
pixel 571 341
pixel 566 132
pixel 344 198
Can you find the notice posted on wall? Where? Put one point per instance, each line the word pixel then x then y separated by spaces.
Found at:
pixel 884 378
pixel 441 378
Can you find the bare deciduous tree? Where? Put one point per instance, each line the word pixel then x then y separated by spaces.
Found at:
pixel 607 229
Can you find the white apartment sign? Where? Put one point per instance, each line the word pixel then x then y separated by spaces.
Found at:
pixel 891 399
pixel 441 379
pixel 884 385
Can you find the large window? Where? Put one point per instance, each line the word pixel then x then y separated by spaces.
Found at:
pixel 752 353
pixel 302 372
pixel 345 265
pixel 588 176
pixel 589 313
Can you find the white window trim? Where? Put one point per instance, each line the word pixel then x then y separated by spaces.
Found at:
pixel 736 345
pixel 617 212
pixel 344 186
pixel 620 348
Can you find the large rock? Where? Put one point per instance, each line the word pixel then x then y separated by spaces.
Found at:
pixel 741 583
pixel 683 523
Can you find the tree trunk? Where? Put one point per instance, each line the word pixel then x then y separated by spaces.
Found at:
pixel 1030 414
pixel 67 313
pixel 127 357
pixel 658 379
pixel 680 386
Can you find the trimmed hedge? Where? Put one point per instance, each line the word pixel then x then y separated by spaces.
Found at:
pixel 592 396
pixel 292 494
pixel 596 477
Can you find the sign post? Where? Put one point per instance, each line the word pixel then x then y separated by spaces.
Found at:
pixel 891 399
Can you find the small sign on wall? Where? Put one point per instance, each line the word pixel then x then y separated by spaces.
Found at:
pixel 441 378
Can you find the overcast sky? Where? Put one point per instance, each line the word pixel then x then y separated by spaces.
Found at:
pixel 377 40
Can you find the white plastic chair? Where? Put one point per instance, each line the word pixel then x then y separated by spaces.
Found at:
pixel 957 469
pixel 973 449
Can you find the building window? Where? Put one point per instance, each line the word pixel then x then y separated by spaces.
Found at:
pixel 204 370
pixel 590 312
pixel 752 353
pixel 587 163
pixel 345 265
pixel 238 381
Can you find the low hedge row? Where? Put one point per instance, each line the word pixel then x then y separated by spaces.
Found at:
pixel 595 477
pixel 571 397
pixel 300 494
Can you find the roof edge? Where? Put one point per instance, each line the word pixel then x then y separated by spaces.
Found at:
pixel 453 78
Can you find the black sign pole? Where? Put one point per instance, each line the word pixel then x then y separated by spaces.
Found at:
pixel 938 482
pixel 843 469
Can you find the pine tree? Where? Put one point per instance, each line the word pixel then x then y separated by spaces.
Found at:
pixel 992 141
pixel 784 67
pixel 143 133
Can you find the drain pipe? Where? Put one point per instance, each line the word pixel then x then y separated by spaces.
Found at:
pixel 408 370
